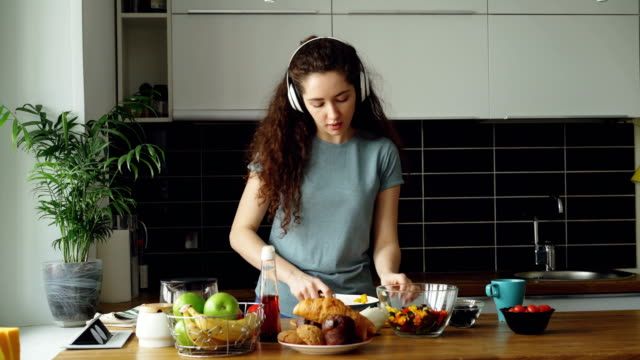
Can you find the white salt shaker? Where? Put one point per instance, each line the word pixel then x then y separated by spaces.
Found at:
pixel 152 327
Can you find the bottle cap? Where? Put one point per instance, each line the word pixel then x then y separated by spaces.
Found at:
pixel 268 253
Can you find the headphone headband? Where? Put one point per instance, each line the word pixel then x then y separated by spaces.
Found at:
pixel 295 100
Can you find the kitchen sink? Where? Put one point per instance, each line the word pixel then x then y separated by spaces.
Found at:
pixel 574 275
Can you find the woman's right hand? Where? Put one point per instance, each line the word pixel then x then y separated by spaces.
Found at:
pixel 304 286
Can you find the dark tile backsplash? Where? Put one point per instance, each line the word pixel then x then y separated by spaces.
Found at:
pixel 471 192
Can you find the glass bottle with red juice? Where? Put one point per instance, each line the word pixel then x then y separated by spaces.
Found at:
pixel 269 295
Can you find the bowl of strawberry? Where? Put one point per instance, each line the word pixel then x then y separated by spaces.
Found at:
pixel 528 319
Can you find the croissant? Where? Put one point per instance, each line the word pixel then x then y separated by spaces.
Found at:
pixel 319 309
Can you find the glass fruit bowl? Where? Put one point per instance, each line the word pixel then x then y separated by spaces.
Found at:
pixel 418 309
pixel 205 336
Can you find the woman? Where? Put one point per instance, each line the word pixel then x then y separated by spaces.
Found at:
pixel 325 167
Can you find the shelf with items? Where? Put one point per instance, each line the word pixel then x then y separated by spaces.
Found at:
pixel 144 6
pixel 143 60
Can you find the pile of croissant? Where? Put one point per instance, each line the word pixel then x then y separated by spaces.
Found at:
pixel 327 321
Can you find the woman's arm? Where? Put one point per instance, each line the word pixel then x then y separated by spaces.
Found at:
pixel 244 237
pixel 245 241
pixel 386 249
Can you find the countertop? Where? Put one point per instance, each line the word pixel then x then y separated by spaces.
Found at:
pixel 470 284
pixel 570 335
pixel 473 283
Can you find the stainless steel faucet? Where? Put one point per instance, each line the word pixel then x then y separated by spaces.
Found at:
pixel 545 254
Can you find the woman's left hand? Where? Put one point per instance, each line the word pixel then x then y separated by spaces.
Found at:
pixel 394 279
pixel 399 279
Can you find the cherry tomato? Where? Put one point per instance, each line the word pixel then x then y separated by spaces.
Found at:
pixel 518 309
pixel 544 308
pixel 532 308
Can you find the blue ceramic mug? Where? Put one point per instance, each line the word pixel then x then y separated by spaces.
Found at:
pixel 506 293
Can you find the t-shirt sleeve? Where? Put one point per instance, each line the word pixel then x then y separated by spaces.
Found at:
pixel 391 168
pixel 254 167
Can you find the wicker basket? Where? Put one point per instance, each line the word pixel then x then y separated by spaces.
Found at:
pixel 211 336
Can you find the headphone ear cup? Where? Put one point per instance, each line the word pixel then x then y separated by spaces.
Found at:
pixel 293 98
pixel 364 86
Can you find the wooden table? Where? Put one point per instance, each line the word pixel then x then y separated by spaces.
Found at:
pixel 570 335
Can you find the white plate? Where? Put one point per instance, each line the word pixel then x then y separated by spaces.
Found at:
pixel 349 300
pixel 324 349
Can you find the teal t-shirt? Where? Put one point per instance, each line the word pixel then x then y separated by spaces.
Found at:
pixel 339 190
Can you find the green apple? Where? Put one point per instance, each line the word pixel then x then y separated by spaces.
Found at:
pixel 222 305
pixel 182 338
pixel 194 299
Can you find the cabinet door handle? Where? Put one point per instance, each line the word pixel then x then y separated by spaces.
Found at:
pixel 436 117
pixel 534 117
pixel 412 12
pixel 189 114
pixel 205 12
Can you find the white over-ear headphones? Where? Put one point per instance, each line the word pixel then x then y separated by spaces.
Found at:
pixel 296 101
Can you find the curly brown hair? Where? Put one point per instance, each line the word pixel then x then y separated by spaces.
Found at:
pixel 281 145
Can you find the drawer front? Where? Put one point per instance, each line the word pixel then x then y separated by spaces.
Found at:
pixel 563 6
pixel 251 6
pixel 409 6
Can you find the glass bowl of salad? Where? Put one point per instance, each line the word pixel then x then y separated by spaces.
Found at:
pixel 418 309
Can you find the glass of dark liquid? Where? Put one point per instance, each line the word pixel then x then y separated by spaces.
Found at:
pixel 466 312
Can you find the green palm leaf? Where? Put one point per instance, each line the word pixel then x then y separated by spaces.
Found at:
pixel 75 177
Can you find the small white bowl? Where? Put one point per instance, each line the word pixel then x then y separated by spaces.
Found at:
pixel 152 329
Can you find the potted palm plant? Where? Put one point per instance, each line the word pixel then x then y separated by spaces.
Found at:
pixel 78 182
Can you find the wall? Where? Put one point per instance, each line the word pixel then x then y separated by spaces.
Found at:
pixel 472 190
pixel 484 183
pixel 636 131
pixel 42 62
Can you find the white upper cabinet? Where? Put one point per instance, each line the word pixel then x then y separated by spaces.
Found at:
pixel 424 61
pixel 563 6
pixel 426 58
pixel 564 66
pixel 227 64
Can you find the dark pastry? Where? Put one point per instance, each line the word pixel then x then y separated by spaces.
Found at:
pixel 338 330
